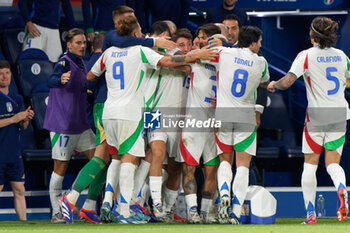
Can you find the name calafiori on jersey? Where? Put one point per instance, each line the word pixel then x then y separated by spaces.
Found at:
pixel 191 123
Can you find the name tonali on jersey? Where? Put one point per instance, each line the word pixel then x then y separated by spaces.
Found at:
pixel 240 73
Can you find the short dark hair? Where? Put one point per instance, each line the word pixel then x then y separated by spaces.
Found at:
pixel 4 64
pixel 159 27
pixel 209 29
pixel 324 31
pixel 127 25
pixel 120 10
pixel 72 33
pixel 182 32
pixel 98 41
pixel 248 35
pixel 232 17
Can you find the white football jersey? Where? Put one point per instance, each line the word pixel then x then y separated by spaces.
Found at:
pixel 325 72
pixel 150 85
pixel 202 84
pixel 169 85
pixel 240 73
pixel 125 70
pixel 172 90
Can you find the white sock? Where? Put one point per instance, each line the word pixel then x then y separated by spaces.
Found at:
pixel 337 174
pixel 239 189
pixel 169 198
pixel 155 185
pixel 224 178
pixel 308 186
pixel 55 190
pixel 140 177
pixel 90 205
pixel 73 196
pixel 112 180
pixel 191 201
pixel 206 204
pixel 142 198
pixel 126 184
pixel 164 175
pixel 146 193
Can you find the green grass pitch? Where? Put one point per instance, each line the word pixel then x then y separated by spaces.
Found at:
pixel 282 225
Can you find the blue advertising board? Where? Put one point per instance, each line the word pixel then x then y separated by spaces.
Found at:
pixel 276 4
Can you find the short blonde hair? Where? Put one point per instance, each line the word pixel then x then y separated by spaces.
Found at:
pixel 223 28
pixel 220 37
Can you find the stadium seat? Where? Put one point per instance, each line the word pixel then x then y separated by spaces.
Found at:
pixel 33 75
pixel 33 53
pixel 276 117
pixel 294 152
pixel 2 57
pixel 13 86
pixel 11 43
pixel 63 33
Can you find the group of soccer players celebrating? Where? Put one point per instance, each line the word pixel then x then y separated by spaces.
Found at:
pixel 210 81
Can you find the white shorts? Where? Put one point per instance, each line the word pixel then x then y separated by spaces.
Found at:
pixel 64 145
pixel 170 138
pixel 193 145
pixel 236 136
pixel 330 137
pixel 49 41
pixel 125 135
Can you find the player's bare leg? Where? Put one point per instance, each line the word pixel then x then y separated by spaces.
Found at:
pixel 19 200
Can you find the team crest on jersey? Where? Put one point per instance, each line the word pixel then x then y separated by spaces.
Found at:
pixel 63 36
pixel 20 37
pixel 36 69
pixel 151 120
pixel 9 107
pixel 328 2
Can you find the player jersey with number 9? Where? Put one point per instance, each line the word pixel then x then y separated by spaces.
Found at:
pixel 118 73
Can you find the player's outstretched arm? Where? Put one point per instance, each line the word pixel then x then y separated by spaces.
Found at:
pixel 164 43
pixel 205 53
pixel 282 84
pixel 91 77
pixel 264 85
